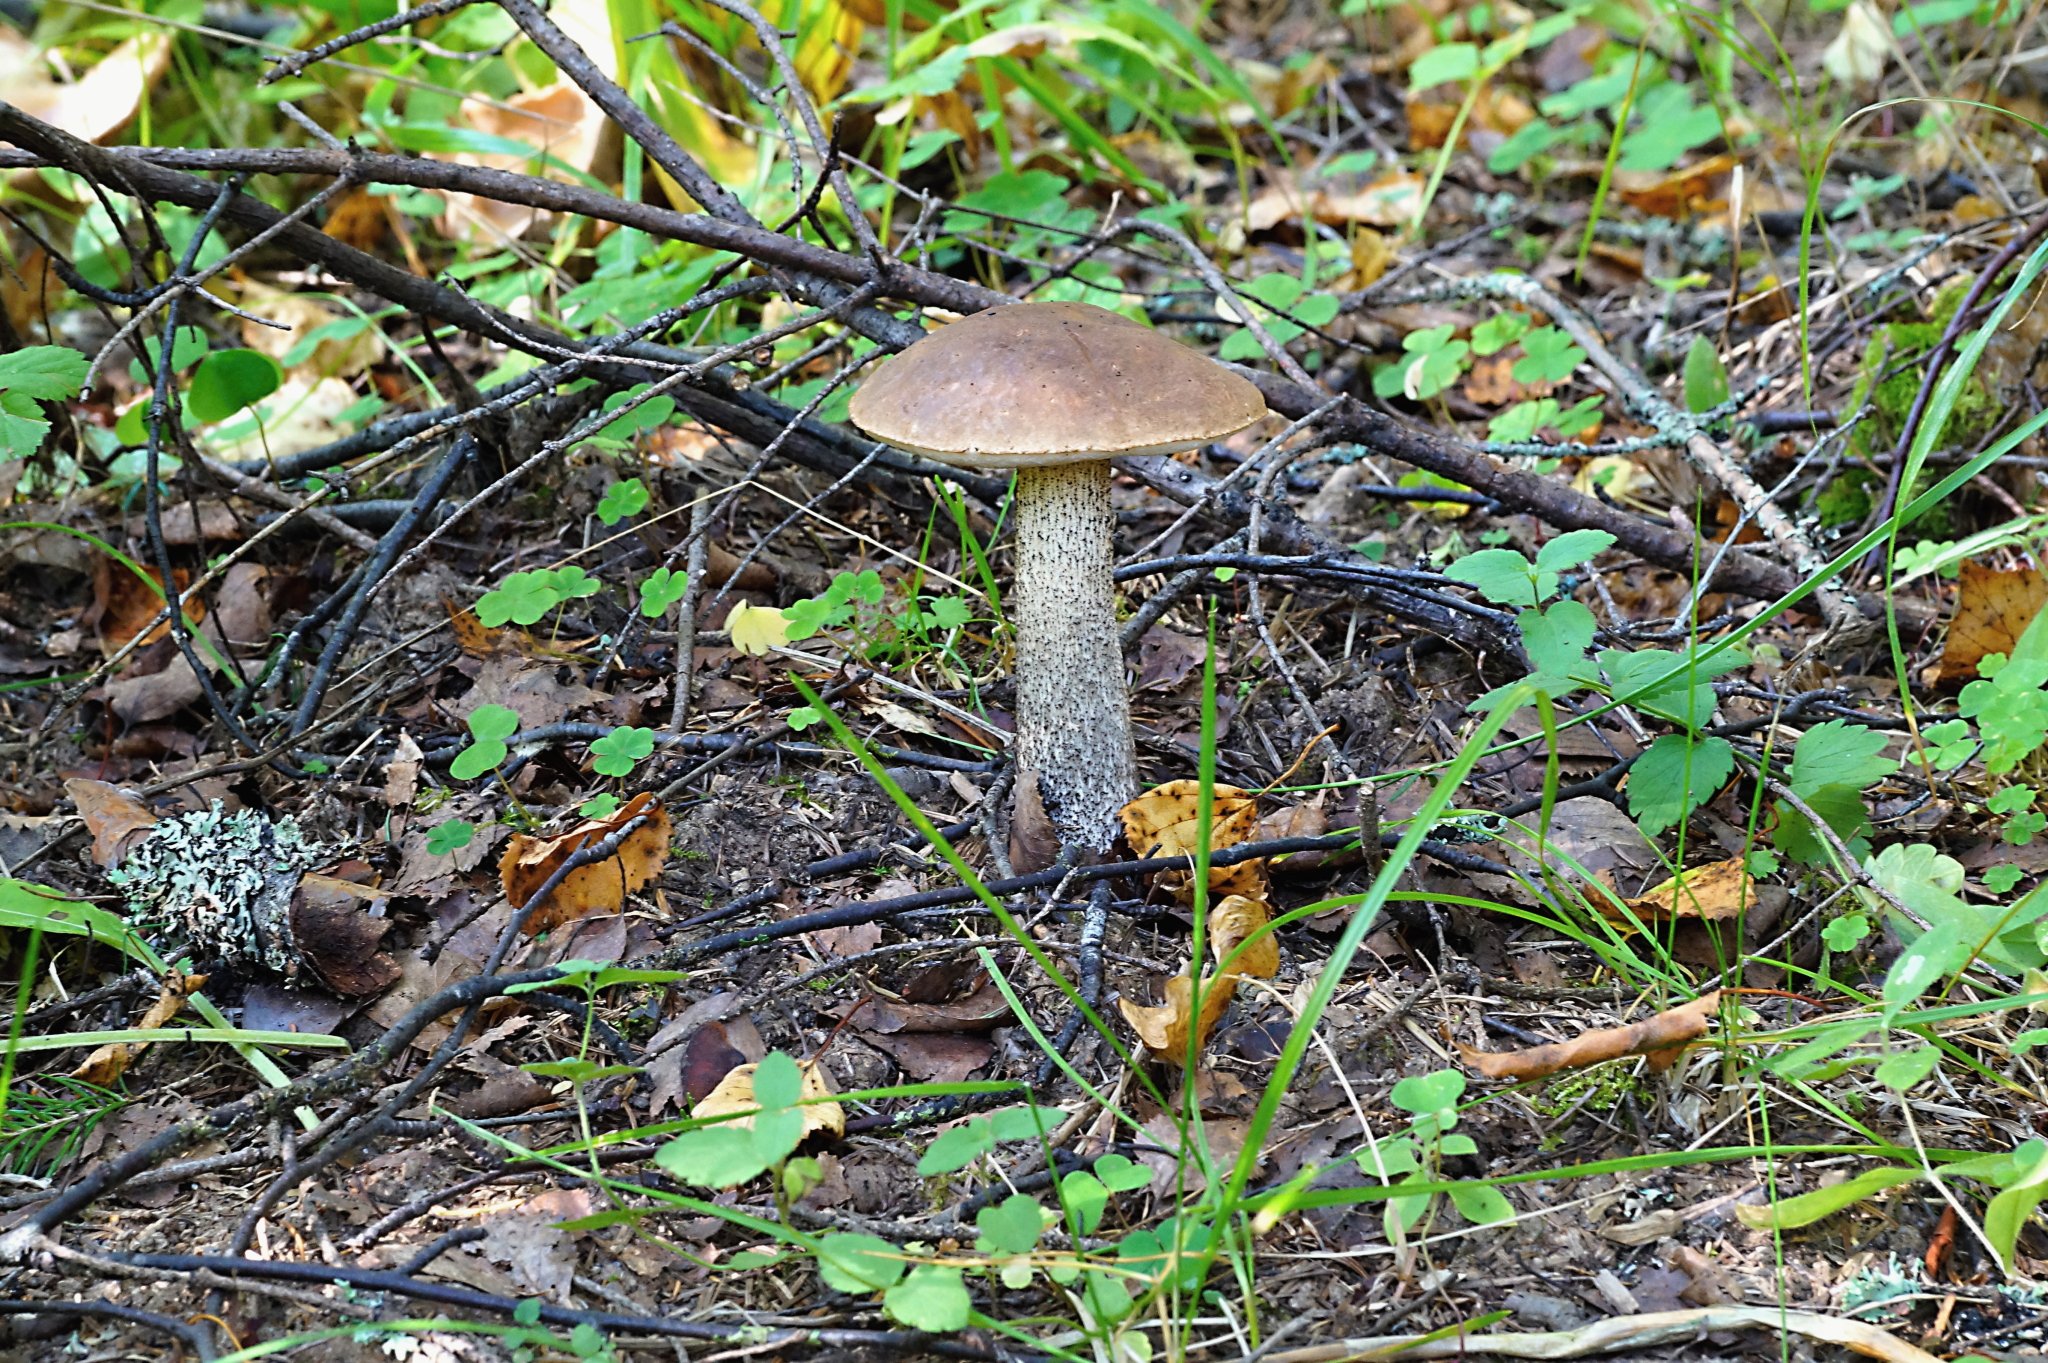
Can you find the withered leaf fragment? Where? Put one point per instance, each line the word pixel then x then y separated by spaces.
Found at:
pixel 1660 1038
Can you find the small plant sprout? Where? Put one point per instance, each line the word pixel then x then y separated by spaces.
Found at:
pixel 523 598
pixel 1055 391
pixel 448 838
pixel 621 750
pixel 489 727
pixel 1415 1159
pixel 660 590
pixel 622 499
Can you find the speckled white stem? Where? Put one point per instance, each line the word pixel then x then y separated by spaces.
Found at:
pixel 1073 712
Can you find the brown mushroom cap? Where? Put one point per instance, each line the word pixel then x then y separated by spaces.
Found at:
pixel 1045 383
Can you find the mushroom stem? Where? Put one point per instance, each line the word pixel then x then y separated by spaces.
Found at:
pixel 1073 712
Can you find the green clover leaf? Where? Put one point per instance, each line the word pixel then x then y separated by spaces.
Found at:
pixel 450 837
pixel 622 500
pixel 521 599
pixel 489 727
pixel 571 582
pixel 662 589
pixel 619 751
pixel 1548 356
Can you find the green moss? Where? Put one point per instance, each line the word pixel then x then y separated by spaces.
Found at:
pixel 1600 1089
pixel 1891 378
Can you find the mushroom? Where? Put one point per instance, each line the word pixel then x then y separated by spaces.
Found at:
pixel 1054 391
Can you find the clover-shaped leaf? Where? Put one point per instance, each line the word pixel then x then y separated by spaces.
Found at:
pixel 489 727
pixel 949 612
pixel 661 589
pixel 228 381
pixel 521 599
pixel 570 582
pixel 621 500
pixel 599 806
pixel 449 837
pixel 1498 332
pixel 654 412
pixel 1548 356
pixel 621 750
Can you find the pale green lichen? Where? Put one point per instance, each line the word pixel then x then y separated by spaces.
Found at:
pixel 223 882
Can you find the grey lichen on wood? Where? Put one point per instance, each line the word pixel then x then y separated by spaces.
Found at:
pixel 223 883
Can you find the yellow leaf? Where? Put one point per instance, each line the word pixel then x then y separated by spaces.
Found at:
pixel 1163 823
pixel 107 1064
pixel 1236 918
pixel 735 1093
pixel 1164 1029
pixel 756 629
pixel 1713 894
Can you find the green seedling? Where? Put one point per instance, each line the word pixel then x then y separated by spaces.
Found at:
pixel 450 837
pixel 660 590
pixel 489 727
pixel 621 750
pixel 623 499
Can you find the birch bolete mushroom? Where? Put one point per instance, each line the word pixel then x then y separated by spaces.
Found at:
pixel 1055 391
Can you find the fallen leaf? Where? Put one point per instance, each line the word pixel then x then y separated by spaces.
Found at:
pixel 934 1057
pixel 1712 894
pixel 735 1093
pixel 601 887
pixel 107 1064
pixel 1994 606
pixel 1659 1038
pixel 978 1012
pixel 1164 822
pixel 336 932
pixel 707 1058
pixel 756 629
pixel 123 605
pixel 1234 920
pixel 116 819
pixel 1677 193
pixel 1164 1028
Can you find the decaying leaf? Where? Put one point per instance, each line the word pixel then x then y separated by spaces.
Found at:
pixel 116 819
pixel 601 887
pixel 333 928
pixel 123 605
pixel 1659 1038
pixel 1994 606
pixel 1713 894
pixel 1233 920
pixel 735 1093
pixel 107 1064
pixel 1164 1029
pixel 1164 822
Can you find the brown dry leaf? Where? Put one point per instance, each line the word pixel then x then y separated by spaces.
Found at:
pixel 601 887
pixel 1994 606
pixel 1389 201
pixel 123 604
pixel 1165 822
pixel 1713 894
pixel 735 1093
pixel 1492 383
pixel 1164 1029
pixel 107 1064
pixel 560 120
pixel 1494 110
pixel 1659 1038
pixel 1677 193
pixel 361 219
pixel 116 819
pixel 1233 920
pixel 335 930
pixel 979 1011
